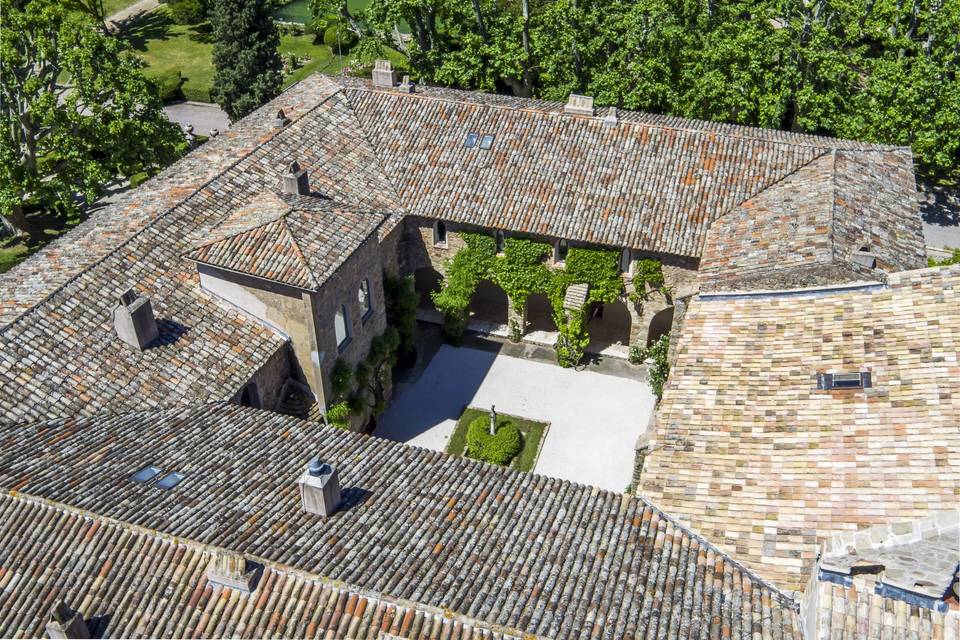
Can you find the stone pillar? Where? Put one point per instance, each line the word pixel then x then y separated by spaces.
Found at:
pixel 516 322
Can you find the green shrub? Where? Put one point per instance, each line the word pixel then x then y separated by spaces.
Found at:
pixel 186 11
pixel 138 178
pixel 954 258
pixel 637 354
pixel 338 415
pixel 339 38
pixel 660 368
pixel 169 85
pixel 500 448
pixel 196 94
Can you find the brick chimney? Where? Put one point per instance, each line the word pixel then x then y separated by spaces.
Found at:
pixel 66 623
pixel 232 570
pixel 578 105
pixel 295 181
pixel 383 75
pixel 320 488
pixel 133 320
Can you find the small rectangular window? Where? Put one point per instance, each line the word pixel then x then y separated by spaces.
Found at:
pixel 170 480
pixel 859 380
pixel 366 305
pixel 341 326
pixel 486 141
pixel 146 474
pixel 471 140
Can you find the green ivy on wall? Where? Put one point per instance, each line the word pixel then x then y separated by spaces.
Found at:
pixel 520 272
pixel 647 277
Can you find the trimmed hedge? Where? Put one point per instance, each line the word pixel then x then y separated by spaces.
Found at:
pixel 169 86
pixel 500 448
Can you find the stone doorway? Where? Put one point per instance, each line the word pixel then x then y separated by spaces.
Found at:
pixel 425 281
pixel 539 313
pixel 489 304
pixel 660 325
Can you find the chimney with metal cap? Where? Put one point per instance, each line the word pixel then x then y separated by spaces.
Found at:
pixel 295 181
pixel 610 120
pixel 133 320
pixel 320 488
pixel 383 75
pixel 578 105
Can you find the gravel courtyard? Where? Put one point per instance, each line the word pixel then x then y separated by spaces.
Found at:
pixel 595 418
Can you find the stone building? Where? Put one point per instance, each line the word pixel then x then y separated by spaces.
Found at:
pixel 813 393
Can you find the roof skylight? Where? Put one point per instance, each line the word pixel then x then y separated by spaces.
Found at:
pixel 146 474
pixel 170 480
pixel 471 140
pixel 486 141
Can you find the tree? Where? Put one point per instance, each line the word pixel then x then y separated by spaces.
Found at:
pixel 76 112
pixel 248 67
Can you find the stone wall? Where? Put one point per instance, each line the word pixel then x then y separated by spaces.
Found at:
pixel 342 288
pixel 270 379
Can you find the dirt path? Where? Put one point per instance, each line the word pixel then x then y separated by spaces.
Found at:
pixel 143 6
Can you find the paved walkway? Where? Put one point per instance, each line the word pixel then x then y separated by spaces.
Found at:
pixel 144 6
pixel 202 115
pixel 595 418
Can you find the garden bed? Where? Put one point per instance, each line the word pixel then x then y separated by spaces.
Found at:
pixel 532 432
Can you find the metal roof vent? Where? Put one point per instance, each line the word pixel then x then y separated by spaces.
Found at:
pixel 320 488
pixel 282 120
pixel 578 105
pixel 232 570
pixel 383 75
pixel 66 623
pixel 296 181
pixel 133 320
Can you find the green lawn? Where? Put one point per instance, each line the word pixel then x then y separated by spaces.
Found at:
pixel 110 7
pixel 167 48
pixel 531 431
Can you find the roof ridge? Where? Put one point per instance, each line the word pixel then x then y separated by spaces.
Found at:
pixel 301 256
pixel 762 133
pixel 156 219
pixel 238 232
pixel 338 585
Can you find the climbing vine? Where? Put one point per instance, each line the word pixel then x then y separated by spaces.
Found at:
pixel 363 386
pixel 520 272
pixel 647 277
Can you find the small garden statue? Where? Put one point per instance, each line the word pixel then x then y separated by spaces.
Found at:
pixel 493 419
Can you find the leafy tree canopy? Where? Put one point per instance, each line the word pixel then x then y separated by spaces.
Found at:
pixel 76 111
pixel 248 67
pixel 876 70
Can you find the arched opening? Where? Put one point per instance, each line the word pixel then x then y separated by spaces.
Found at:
pixel 489 303
pixel 609 324
pixel 425 281
pixel 660 325
pixel 539 313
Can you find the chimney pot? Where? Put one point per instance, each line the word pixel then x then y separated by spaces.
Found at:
pixel 406 86
pixel 578 105
pixel 133 320
pixel 320 488
pixel 610 120
pixel 232 570
pixel 383 74
pixel 281 119
pixel 66 623
pixel 296 181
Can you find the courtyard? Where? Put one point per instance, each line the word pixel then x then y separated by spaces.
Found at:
pixel 595 415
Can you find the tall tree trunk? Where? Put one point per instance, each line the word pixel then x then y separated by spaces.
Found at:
pixel 15 223
pixel 479 16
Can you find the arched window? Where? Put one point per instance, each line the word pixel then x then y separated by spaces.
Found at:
pixel 363 295
pixel 341 326
pixel 500 241
pixel 560 251
pixel 440 233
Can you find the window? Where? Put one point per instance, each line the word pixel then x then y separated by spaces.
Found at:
pixel 500 241
pixel 363 295
pixel 170 480
pixel 860 380
pixel 486 141
pixel 341 326
pixel 146 474
pixel 471 140
pixel 440 233
pixel 560 251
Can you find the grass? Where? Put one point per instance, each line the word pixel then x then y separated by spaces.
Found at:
pixel 110 7
pixel 531 431
pixel 168 47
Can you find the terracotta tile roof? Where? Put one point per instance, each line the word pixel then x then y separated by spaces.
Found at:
pixel 59 354
pixel 541 555
pixel 651 182
pixel 755 458
pixel 805 229
pixel 299 243
pixel 854 611
pixel 131 582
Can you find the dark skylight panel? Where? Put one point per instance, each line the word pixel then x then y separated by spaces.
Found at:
pixel 146 474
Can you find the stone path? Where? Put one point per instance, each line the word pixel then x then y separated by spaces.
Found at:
pixel 595 419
